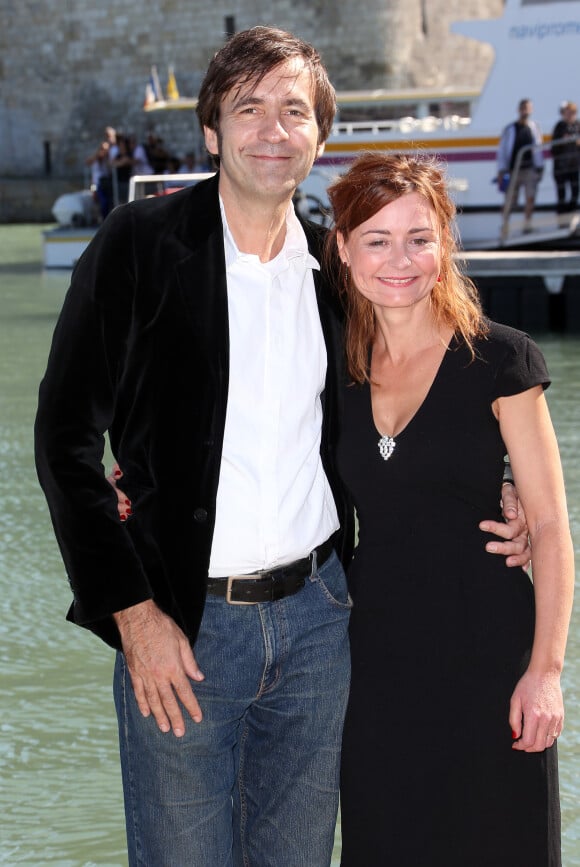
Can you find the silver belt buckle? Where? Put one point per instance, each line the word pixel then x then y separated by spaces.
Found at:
pixel 231 579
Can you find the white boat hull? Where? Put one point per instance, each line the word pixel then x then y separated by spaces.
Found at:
pixel 63 247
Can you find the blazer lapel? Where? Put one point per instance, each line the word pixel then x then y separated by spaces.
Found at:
pixel 201 272
pixel 201 277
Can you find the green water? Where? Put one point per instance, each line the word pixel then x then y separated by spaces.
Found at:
pixel 60 794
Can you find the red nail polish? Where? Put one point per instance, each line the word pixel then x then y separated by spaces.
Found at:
pixel 129 512
pixel 514 735
pixel 123 517
pixel 127 502
pixel 117 473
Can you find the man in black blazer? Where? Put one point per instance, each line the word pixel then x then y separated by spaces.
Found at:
pixel 198 335
pixel 186 310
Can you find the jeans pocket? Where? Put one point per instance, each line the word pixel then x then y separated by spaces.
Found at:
pixel 331 580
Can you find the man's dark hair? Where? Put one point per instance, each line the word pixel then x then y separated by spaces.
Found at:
pixel 249 56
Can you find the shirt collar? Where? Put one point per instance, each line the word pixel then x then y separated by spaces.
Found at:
pixel 295 243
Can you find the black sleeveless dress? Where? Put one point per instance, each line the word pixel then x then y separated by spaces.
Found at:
pixel 441 631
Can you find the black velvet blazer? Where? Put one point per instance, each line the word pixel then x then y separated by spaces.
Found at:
pixel 141 350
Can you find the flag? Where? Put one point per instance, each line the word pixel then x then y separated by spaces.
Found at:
pixel 155 85
pixel 172 91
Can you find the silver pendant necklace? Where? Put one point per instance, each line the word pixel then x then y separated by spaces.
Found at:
pixel 386 446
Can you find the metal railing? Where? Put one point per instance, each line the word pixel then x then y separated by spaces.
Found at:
pixel 158 185
pixel 562 225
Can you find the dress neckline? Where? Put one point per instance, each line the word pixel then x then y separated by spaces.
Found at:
pixel 387 442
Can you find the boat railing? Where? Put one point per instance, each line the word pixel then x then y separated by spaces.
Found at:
pixel 556 142
pixel 142 186
pixel 403 125
pixel 547 223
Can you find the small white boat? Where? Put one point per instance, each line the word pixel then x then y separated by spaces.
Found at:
pixel 75 216
pixel 74 212
pixel 63 246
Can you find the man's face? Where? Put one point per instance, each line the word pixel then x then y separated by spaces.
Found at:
pixel 569 114
pixel 525 110
pixel 267 138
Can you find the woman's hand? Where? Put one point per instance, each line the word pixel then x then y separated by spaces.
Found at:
pixel 123 502
pixel 536 712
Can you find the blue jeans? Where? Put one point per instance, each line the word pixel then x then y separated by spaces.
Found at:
pixel 255 784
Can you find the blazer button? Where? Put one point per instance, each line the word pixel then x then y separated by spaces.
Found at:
pixel 200 516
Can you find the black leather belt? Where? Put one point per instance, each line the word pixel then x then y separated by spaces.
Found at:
pixel 269 584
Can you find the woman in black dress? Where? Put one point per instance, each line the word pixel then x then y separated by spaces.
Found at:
pixel 449 755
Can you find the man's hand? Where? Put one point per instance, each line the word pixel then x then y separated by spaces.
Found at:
pixel 123 502
pixel 160 662
pixel 516 547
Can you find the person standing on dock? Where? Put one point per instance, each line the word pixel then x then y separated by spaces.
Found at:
pixel 521 158
pixel 198 333
pixel 566 154
pixel 100 164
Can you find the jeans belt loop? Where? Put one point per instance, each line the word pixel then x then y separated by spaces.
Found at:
pixel 314 557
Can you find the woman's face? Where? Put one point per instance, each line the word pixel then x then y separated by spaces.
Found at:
pixel 395 256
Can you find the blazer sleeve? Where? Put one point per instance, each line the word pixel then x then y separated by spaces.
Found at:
pixel 75 409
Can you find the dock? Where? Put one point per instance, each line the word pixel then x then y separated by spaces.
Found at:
pixel 535 290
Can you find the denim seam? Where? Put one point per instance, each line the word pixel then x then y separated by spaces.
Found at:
pixel 317 579
pixel 130 769
pixel 243 802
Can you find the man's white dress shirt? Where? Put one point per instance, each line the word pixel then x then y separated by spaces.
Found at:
pixel 274 503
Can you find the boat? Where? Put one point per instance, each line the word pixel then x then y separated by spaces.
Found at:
pixel 537 46
pixel 77 225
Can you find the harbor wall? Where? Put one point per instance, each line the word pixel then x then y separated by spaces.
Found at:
pixel 68 70
pixel 30 200
pixel 524 302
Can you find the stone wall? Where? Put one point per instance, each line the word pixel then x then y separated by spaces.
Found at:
pixel 30 200
pixel 70 67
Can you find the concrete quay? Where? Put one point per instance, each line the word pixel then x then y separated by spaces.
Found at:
pixel 509 263
pixel 535 290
